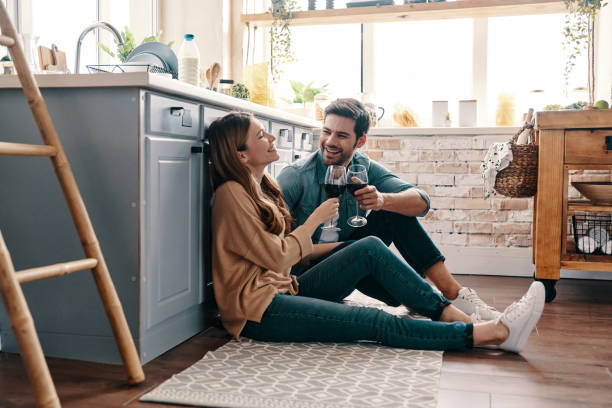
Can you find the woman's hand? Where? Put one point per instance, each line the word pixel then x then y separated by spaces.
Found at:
pixel 325 212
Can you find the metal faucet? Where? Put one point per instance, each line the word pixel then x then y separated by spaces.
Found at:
pixel 99 24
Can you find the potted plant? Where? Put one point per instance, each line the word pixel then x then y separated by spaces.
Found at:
pixel 303 98
pixel 304 93
pixel 280 35
pixel 240 91
pixel 129 43
pixel 447 120
pixel 579 32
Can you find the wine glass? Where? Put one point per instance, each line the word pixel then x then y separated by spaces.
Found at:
pixel 356 178
pixel 335 184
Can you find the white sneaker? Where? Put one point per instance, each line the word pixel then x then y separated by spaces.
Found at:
pixel 469 303
pixel 521 317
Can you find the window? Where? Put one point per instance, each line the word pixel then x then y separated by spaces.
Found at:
pixel 326 55
pixel 415 63
pixel 420 62
pixel 60 22
pixel 531 58
pixel 53 25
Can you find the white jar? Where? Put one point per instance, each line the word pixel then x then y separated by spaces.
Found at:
pixel 467 113
pixel 189 61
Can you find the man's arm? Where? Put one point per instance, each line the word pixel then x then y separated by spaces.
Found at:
pixel 388 192
pixel 408 202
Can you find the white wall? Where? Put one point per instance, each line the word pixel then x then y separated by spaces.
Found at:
pixel 203 18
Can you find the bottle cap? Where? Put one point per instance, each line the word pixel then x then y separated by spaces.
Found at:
pixel 189 37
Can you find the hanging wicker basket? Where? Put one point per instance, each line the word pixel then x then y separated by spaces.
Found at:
pixel 520 178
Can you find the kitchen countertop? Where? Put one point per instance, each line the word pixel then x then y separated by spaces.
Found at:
pixel 160 84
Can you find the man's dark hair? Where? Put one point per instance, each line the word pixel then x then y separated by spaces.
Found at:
pixel 352 109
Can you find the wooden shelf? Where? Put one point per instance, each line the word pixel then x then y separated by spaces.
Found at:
pixel 415 12
pixel 582 205
pixel 587 262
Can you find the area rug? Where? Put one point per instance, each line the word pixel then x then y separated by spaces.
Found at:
pixel 307 375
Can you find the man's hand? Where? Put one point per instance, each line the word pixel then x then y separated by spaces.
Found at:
pixel 370 198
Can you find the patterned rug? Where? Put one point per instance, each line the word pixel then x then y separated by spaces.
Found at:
pixel 307 375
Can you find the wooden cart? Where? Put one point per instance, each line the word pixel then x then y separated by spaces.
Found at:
pixel 568 140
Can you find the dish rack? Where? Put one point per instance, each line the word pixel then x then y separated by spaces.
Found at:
pixel 115 68
pixel 592 233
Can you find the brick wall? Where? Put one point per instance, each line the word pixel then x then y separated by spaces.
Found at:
pixel 447 167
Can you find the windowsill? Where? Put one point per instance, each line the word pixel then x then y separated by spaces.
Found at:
pixel 440 131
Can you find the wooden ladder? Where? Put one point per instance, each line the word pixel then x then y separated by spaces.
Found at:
pixel 10 280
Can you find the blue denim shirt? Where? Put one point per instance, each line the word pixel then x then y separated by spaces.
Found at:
pixel 303 185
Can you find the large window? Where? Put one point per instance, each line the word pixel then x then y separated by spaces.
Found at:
pixel 528 64
pixel 415 63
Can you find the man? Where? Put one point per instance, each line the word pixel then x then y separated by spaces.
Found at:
pixel 394 206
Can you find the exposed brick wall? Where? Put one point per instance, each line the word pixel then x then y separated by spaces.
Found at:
pixel 447 167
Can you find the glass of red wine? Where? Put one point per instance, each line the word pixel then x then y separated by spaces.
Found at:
pixel 335 184
pixel 356 178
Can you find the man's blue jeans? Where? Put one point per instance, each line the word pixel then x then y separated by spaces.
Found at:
pixel 410 239
pixel 315 315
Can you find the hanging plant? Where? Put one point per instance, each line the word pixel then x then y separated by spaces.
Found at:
pixel 578 36
pixel 280 36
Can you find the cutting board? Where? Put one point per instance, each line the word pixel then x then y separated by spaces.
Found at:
pixel 52 59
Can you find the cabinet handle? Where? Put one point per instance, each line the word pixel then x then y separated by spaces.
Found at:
pixel 196 149
pixel 177 110
pixel 608 142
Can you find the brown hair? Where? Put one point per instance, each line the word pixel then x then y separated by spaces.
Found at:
pixel 352 109
pixel 228 135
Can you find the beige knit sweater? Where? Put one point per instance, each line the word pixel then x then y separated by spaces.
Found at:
pixel 250 265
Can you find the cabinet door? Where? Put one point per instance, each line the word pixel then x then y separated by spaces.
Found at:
pixel 172 261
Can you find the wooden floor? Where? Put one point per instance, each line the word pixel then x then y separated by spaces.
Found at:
pixel 566 363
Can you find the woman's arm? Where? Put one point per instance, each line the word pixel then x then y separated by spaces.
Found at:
pixel 239 229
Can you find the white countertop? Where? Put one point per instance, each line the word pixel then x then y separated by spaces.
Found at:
pixel 177 88
pixel 160 84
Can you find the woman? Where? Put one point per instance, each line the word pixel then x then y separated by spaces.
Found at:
pixel 254 250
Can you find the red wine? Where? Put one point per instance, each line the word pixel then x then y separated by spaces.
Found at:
pixel 355 186
pixel 334 190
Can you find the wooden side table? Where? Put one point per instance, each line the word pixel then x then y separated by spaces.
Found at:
pixel 568 140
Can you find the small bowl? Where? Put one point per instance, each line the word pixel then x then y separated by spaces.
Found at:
pixel 599 192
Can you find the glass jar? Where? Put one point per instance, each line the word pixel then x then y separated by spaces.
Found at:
pixel 225 86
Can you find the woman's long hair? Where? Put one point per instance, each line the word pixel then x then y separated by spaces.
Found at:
pixel 227 136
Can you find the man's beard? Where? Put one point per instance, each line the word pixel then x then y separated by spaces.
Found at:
pixel 338 160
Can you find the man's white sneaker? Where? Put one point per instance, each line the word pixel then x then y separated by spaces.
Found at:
pixel 470 303
pixel 521 317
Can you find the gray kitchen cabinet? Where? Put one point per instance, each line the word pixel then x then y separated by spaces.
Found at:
pixel 136 146
pixel 304 143
pixel 171 230
pixel 284 146
pixel 137 158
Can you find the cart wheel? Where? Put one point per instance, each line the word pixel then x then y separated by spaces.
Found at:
pixel 549 287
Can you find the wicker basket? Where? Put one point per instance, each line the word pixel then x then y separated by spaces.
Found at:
pixel 520 178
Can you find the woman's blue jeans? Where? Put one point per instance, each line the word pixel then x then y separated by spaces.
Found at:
pixel 315 314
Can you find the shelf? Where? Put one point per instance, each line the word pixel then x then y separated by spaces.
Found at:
pixel 587 262
pixel 415 12
pixel 583 205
